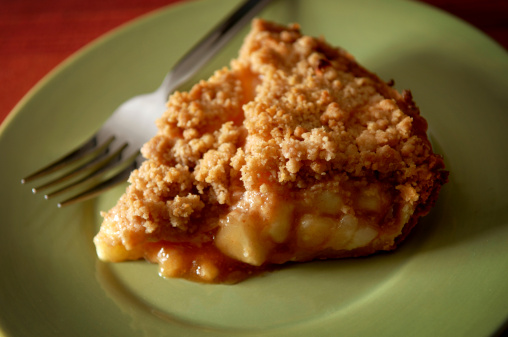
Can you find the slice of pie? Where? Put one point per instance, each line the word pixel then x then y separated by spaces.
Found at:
pixel 293 153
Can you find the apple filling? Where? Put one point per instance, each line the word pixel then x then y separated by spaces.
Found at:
pixel 263 229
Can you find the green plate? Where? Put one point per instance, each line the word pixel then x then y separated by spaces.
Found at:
pixel 448 279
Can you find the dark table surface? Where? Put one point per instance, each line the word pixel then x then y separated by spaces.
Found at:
pixel 35 36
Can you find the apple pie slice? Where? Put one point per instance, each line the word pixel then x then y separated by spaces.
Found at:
pixel 293 153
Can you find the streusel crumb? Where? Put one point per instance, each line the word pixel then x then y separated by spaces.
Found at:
pixel 289 121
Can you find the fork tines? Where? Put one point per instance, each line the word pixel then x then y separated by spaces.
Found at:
pixel 89 170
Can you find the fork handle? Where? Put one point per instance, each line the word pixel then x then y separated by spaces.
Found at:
pixel 203 51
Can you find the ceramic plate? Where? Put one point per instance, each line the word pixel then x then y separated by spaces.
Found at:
pixel 449 278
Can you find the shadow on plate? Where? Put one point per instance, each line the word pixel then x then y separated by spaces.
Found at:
pixel 466 111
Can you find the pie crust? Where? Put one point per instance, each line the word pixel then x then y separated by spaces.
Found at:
pixel 294 152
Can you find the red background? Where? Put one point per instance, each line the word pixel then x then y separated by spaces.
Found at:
pixel 36 35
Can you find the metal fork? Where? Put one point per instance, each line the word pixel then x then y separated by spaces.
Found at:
pixel 108 157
